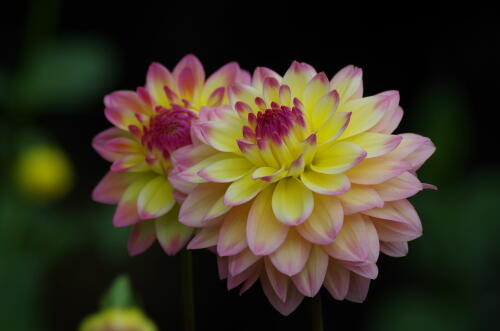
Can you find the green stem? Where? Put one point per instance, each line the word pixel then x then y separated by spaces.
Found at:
pixel 187 290
pixel 317 313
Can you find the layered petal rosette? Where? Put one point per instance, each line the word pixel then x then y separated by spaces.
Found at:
pixel 149 125
pixel 301 183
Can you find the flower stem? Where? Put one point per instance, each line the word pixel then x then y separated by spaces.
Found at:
pixel 316 313
pixel 187 290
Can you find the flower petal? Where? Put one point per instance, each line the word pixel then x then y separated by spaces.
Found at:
pixel 243 190
pixel 264 232
pixel 292 202
pixel 112 186
pixel 349 83
pixel 292 255
pixel 157 78
pixel 358 288
pixel 360 198
pixel 414 149
pixel 333 127
pixel 204 238
pixel 100 141
pixel 325 221
pixel 171 234
pixel 190 66
pixel 141 238
pixel 226 170
pixel 199 202
pixel 253 272
pixel 297 77
pixel 400 187
pixel 310 279
pixel 389 122
pixel 126 212
pixel 396 221
pixel 121 118
pixel 357 241
pixel 241 261
pixel 224 77
pixel 279 281
pixel 337 280
pixel 394 248
pixel 376 144
pixel 316 88
pixel 338 158
pixel 270 90
pixel 155 198
pixel 293 299
pixel 325 184
pixel 223 133
pixel 232 237
pixel 260 74
pixel 325 108
pixel 367 112
pixel 367 270
pixel 377 170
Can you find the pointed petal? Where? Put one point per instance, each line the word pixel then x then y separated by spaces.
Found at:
pixel 377 170
pixel 297 77
pixel 357 241
pixel 252 278
pixel 199 202
pixel 337 280
pixel 349 83
pixel 158 76
pixel 243 190
pixel 292 255
pixel 241 261
pixel 224 77
pixel 310 279
pixel 360 198
pixel 244 93
pixel 100 143
pixel 131 163
pixel 294 298
pixel 171 234
pixel 232 237
pixel 260 74
pixel 279 281
pixel 268 174
pixel 325 108
pixel 204 238
pixel 270 90
pixel 325 184
pixel 141 237
pixel 316 88
pixel 376 144
pixel 112 186
pixel 358 288
pixel 396 221
pixel 400 187
pixel 127 101
pixel 222 266
pixel 389 122
pixel 222 133
pixel 121 118
pixel 252 272
pixel 333 127
pixel 325 221
pixel 227 170
pixel 367 112
pixel 367 270
pixel 264 232
pixel 155 198
pixel 394 248
pixel 414 149
pixel 338 158
pixel 190 63
pixel 126 212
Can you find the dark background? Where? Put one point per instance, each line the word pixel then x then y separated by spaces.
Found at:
pixel 59 58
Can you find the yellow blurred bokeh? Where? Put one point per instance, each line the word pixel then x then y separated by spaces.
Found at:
pixel 115 319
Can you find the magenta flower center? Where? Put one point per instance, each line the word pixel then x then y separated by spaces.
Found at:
pixel 168 130
pixel 273 123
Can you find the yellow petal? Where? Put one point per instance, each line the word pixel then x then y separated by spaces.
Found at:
pixel 292 201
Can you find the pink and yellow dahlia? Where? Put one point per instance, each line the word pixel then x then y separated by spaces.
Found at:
pixel 300 183
pixel 149 125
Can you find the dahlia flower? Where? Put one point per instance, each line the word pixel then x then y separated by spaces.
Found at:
pixel 300 183
pixel 150 124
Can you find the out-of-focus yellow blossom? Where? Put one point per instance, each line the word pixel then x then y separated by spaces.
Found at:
pixel 115 319
pixel 43 172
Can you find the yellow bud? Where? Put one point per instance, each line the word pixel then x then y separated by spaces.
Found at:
pixel 115 319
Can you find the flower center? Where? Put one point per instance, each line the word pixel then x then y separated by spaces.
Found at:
pixel 168 130
pixel 276 123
